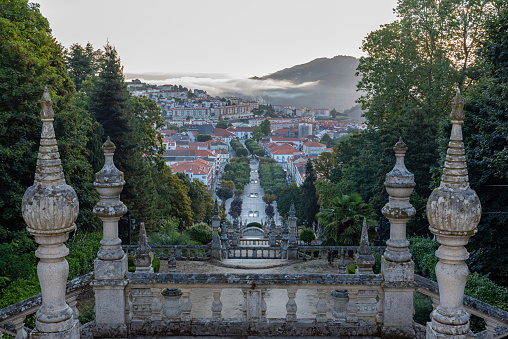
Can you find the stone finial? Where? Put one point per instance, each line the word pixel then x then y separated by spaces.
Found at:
pixel 342 264
pixel 292 212
pixel 216 208
pixel 143 258
pixel 399 185
pixel 364 258
pixel 454 211
pixel 454 208
pixel 109 182
pixel 49 206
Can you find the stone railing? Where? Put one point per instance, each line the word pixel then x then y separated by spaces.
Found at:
pixel 180 252
pixel 254 304
pixel 495 318
pixel 321 252
pixel 12 318
pixel 254 242
pixel 255 252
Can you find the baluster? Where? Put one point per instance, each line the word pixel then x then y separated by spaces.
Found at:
pixel 216 305
pixel 321 306
pixel 171 261
pixel 255 253
pixel 244 305
pixel 291 306
pixel 491 328
pixel 200 254
pixel 71 301
pixel 19 325
pixel 263 305
pixel 178 254
pixel 186 306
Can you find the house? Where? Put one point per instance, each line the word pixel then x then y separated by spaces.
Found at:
pixel 242 132
pixel 198 169
pixel 223 134
pixel 313 148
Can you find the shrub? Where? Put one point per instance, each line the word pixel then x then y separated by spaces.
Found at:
pixel 168 234
pixel 201 233
pixel 423 307
pixel 83 250
pixel 307 235
pixel 423 253
pixel 254 224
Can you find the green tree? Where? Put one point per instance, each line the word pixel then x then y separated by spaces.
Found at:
pixel 342 220
pixel 222 124
pixel 31 60
pixel 82 62
pixel 266 127
pixel 269 198
pixel 307 235
pixel 290 193
pixel 204 137
pixel 309 195
pixel 257 133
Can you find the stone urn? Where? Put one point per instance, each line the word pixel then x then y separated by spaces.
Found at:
pixel 340 301
pixel 171 297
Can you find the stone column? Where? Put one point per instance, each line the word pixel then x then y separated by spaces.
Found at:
pixel 216 242
pixel 396 264
pixel 50 208
pixel 292 252
pixel 454 211
pixel 111 262
pixel 224 240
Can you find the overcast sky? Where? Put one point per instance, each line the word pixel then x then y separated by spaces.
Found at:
pixel 236 37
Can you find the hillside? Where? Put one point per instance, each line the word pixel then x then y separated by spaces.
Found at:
pixel 333 83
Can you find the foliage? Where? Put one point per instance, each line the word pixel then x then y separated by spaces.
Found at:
pixel 254 148
pixel 423 253
pixel 222 124
pixel 238 148
pixel 167 234
pixel 269 198
pixel 288 194
pixel 83 248
pixel 201 202
pixel 254 224
pixel 307 235
pixel 309 195
pixel 204 137
pixel 271 177
pixel 343 218
pixel 269 211
pixel 82 62
pixel 86 314
pixel 31 60
pixel 423 307
pixel 235 210
pixel 266 127
pixel 224 193
pixel 238 171
pixel 201 233
pixel 257 133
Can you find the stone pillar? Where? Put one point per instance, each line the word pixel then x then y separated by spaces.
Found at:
pixel 143 257
pixel 396 264
pixel 234 240
pixel 454 211
pixel 50 208
pixel 342 265
pixel 271 233
pixel 216 242
pixel 224 240
pixel 293 230
pixel 364 258
pixel 111 262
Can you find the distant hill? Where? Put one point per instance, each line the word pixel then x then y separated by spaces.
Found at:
pixel 335 87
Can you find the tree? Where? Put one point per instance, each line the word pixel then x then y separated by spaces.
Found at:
pixel 82 62
pixel 204 137
pixel 222 124
pixel 327 140
pixel 224 193
pixel 307 235
pixel 269 210
pixel 257 133
pixel 309 195
pixel 342 220
pixel 31 60
pixel 235 210
pixel 266 127
pixel 290 193
pixel 269 198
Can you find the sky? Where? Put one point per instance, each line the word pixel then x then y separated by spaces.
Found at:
pixel 235 37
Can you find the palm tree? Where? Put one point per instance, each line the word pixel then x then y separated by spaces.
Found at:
pixel 342 220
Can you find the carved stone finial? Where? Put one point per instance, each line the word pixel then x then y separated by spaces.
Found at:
pixel 364 258
pixel 49 206
pixel 216 208
pixel 399 185
pixel 457 107
pixel 454 211
pixel 292 211
pixel 109 182
pixel 143 259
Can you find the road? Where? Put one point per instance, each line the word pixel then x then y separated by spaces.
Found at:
pixel 253 207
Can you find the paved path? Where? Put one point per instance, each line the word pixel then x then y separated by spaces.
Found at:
pixel 253 207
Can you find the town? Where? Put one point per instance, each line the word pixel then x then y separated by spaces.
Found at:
pixel 295 134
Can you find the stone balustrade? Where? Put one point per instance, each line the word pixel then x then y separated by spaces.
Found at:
pixel 12 318
pixel 199 303
pixel 254 242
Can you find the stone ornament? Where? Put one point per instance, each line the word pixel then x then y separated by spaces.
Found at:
pixel 454 211
pixel 50 208
pixel 399 185
pixel 143 257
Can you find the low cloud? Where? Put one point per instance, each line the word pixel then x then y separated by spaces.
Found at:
pixel 221 84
